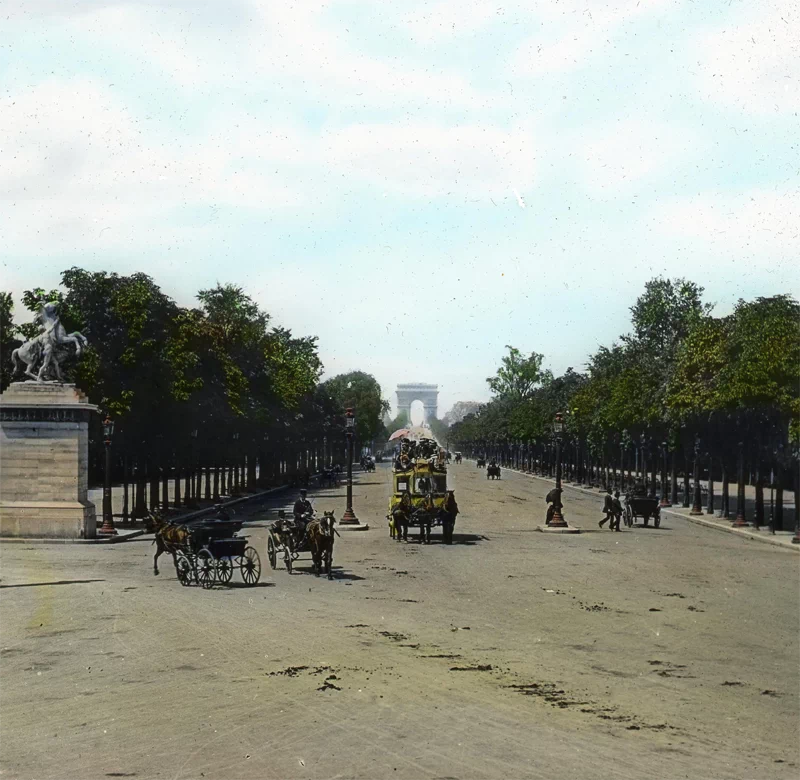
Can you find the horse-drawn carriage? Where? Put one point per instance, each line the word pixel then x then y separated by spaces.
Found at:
pixel 367 463
pixel 285 540
pixel 210 552
pixel 493 471
pixel 644 507
pixel 459 457
pixel 420 499
pixel 481 463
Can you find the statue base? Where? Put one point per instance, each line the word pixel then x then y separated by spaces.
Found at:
pixel 44 462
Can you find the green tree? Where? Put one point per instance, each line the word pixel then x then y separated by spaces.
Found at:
pixel 362 392
pixel 518 375
pixel 8 340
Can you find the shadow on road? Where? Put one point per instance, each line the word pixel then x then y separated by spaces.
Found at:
pixel 57 582
pixel 338 573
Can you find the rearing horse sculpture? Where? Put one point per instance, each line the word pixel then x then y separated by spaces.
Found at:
pixel 45 346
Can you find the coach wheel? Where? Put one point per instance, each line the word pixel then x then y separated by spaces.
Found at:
pixel 251 566
pixel 224 570
pixel 184 568
pixel 287 559
pixel 271 553
pixel 206 569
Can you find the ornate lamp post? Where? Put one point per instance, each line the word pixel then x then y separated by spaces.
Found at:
pixel 697 508
pixel 558 521
pixel 664 497
pixel 349 516
pixel 107 529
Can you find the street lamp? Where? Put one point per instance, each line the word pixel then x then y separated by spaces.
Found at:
pixel 107 529
pixel 558 521
pixel 349 516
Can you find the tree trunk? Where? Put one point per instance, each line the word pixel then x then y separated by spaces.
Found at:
pixel 778 521
pixel 126 477
pixel 177 485
pixel 724 510
pixel 759 496
pixel 710 502
pixel 674 479
pixel 686 499
pixel 164 488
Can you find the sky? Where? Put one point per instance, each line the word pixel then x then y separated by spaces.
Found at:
pixel 416 183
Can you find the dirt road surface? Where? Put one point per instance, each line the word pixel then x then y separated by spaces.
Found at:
pixel 670 653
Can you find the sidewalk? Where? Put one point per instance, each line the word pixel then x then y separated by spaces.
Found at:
pixel 779 538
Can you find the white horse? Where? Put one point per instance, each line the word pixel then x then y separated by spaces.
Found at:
pixel 45 346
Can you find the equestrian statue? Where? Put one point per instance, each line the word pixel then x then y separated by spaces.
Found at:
pixel 49 349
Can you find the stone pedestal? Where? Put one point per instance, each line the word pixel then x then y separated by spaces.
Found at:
pixel 44 453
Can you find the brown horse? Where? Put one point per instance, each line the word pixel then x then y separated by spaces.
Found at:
pixel 169 538
pixel 319 533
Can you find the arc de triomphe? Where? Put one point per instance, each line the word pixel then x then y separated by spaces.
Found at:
pixel 418 391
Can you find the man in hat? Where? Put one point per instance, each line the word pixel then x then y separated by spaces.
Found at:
pixel 303 512
pixel 616 512
pixel 607 510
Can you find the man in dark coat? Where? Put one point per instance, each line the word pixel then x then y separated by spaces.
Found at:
pixel 616 511
pixel 302 513
pixel 607 509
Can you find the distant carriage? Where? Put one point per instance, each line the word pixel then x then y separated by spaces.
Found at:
pixel 493 471
pixel 481 463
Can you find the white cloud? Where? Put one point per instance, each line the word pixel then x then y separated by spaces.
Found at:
pixel 295 45
pixel 571 31
pixel 431 160
pixel 761 224
pixel 754 64
pixel 83 172
pixel 620 155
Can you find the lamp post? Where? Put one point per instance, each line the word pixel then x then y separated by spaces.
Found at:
pixel 107 529
pixel 324 452
pixel 349 516
pixel 697 508
pixel 558 521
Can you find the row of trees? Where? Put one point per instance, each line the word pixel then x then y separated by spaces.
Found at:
pixel 215 388
pixel 682 386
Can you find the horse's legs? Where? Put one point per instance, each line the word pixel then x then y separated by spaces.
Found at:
pixel 329 560
pixel 159 550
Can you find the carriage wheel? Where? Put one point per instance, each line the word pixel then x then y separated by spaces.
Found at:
pixel 287 558
pixel 272 553
pixel 206 569
pixel 184 568
pixel 224 570
pixel 250 564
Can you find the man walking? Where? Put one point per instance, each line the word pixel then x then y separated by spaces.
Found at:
pixel 607 509
pixel 616 511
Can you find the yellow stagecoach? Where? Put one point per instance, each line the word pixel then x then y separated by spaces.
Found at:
pixel 420 498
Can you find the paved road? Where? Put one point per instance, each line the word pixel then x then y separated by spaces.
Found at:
pixel 670 653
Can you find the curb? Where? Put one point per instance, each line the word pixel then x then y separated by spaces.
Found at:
pixel 692 519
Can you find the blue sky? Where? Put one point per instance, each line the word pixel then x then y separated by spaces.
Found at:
pixel 417 183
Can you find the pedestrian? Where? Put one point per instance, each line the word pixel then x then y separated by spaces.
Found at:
pixel 607 509
pixel 616 510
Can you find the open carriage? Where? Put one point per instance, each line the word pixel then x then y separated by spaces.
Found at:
pixel 211 553
pixel 641 506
